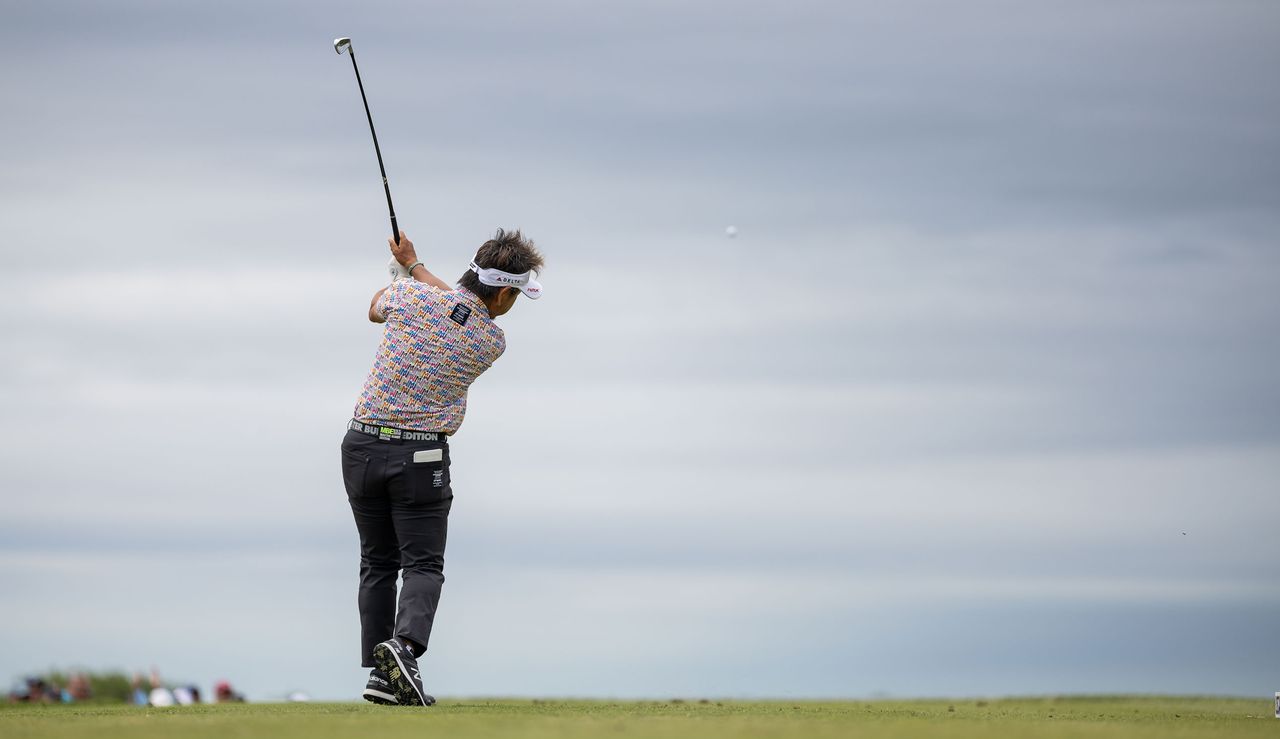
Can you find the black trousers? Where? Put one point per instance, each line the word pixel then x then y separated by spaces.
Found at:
pixel 400 497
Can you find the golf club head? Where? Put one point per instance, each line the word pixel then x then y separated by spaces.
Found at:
pixel 341 44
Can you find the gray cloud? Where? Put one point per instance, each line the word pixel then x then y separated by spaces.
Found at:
pixel 996 331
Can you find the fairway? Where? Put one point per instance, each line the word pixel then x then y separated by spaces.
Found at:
pixel 1048 717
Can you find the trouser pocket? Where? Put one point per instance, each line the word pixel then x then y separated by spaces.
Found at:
pixel 425 478
pixel 355 472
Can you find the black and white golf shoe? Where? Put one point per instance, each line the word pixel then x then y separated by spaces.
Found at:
pixel 396 660
pixel 378 689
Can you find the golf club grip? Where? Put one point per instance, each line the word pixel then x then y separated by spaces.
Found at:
pixel 395 230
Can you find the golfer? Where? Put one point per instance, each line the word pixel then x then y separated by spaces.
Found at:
pixel 395 456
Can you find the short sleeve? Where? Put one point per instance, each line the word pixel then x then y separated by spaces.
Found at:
pixel 392 299
pixel 498 347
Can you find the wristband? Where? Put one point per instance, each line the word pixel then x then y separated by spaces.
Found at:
pixel 412 266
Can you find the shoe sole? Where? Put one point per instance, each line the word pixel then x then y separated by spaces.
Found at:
pixel 379 697
pixel 389 662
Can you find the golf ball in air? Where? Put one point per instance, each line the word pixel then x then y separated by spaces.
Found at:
pixel 731 231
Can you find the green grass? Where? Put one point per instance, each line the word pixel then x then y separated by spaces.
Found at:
pixel 1099 718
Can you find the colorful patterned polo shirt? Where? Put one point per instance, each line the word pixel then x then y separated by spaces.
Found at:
pixel 435 344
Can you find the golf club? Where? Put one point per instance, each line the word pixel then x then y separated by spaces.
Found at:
pixel 339 45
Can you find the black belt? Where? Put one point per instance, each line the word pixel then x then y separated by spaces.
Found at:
pixel 388 433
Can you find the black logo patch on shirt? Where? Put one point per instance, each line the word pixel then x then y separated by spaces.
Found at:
pixel 460 314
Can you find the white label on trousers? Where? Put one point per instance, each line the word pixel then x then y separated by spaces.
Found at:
pixel 429 455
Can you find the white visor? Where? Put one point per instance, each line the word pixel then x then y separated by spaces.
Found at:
pixel 525 283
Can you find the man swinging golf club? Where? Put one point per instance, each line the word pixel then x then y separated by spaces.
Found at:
pixel 395 456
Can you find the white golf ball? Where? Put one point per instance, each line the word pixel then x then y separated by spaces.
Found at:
pixel 731 231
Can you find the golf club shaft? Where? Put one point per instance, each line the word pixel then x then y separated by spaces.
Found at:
pixel 395 230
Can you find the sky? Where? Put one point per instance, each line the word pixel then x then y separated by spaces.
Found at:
pixel 980 401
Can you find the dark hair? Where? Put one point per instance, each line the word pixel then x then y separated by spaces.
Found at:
pixel 508 251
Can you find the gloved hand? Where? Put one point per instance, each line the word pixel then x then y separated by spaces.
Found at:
pixel 397 270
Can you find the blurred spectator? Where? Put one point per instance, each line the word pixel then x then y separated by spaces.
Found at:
pixel 78 688
pixel 187 695
pixel 37 690
pixel 137 695
pixel 222 693
pixel 51 692
pixel 160 696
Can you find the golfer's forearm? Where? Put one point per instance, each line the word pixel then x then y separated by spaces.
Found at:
pixel 422 274
pixel 373 310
